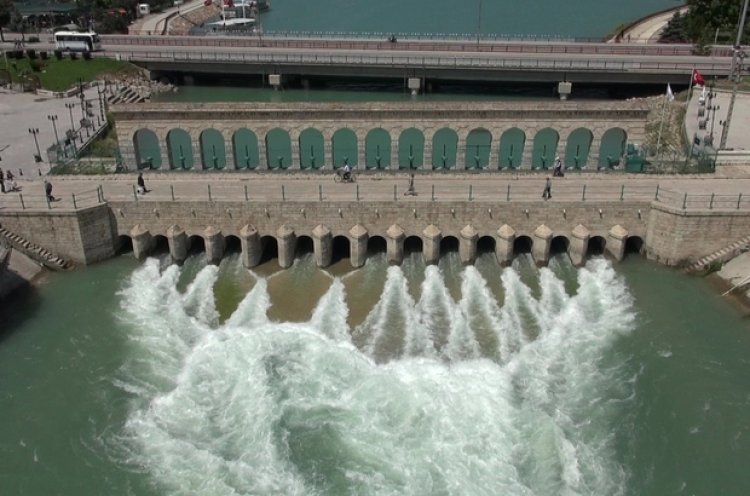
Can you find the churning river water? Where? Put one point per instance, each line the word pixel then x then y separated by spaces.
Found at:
pixel 150 378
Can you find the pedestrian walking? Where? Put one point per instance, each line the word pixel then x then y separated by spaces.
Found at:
pixel 2 183
pixel 547 193
pixel 411 190
pixel 48 190
pixel 142 184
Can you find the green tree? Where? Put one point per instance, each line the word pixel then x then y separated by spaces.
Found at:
pixel 706 18
pixel 6 12
pixel 674 31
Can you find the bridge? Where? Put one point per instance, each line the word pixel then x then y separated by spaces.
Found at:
pixel 574 62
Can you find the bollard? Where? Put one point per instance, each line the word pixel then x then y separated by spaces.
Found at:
pixel 739 200
pixel 23 207
pixel 358 192
pixel 209 192
pixel 98 194
pixel 171 190
pixel 583 193
pixel 622 192
pixel 507 196
pixel 395 198
pixel 433 192
pixel 684 201
pixel 656 196
pixel 471 193
pixel 75 206
pixel 135 193
pixel 320 192
pixel 246 198
pixel 711 203
pixel 283 193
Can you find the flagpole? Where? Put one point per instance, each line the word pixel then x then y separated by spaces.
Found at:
pixel 690 88
pixel 661 126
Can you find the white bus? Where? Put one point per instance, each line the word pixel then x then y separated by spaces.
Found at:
pixel 77 42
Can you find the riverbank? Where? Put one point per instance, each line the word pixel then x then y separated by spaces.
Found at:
pixel 16 271
pixel 733 281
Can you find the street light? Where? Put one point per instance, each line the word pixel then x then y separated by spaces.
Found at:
pixel 70 107
pixel 34 131
pixel 53 118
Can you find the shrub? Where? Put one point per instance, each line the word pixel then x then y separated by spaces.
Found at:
pixel 43 54
pixel 73 55
pixel 36 65
pixel 58 54
pixel 31 53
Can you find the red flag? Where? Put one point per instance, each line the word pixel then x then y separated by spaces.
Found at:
pixel 697 78
pixel 228 4
pixel 207 2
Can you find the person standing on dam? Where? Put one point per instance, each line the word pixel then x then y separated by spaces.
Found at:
pixel 547 193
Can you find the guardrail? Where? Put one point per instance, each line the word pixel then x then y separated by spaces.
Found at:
pixel 434 44
pixel 497 193
pixel 426 62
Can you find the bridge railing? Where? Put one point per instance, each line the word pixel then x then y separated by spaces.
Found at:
pixel 496 193
pixel 466 62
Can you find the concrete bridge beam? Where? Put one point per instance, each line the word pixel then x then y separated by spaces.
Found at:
pixel 431 244
pixel 322 245
pixel 579 244
pixel 178 247
pixel 358 245
pixel 287 242
pixel 542 242
pixel 395 244
pixel 506 237
pixel 143 242
pixel 252 249
pixel 214 241
pixel 616 239
pixel 467 245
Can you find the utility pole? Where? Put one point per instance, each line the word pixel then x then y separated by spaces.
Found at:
pixel 736 75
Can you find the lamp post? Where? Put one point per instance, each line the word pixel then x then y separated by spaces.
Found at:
pixel 53 118
pixel 735 75
pixel 70 107
pixel 34 131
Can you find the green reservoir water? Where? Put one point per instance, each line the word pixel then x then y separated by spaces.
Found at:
pixel 582 18
pixel 149 379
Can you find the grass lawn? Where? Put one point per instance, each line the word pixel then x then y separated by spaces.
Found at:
pixel 59 75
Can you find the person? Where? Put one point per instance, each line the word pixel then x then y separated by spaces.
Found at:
pixel 347 175
pixel 48 190
pixel 10 184
pixel 141 184
pixel 9 175
pixel 411 190
pixel 2 182
pixel 547 193
pixel 557 171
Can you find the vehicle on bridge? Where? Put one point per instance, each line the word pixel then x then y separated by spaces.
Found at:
pixel 77 41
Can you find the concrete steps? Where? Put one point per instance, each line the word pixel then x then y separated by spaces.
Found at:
pixel 35 252
pixel 723 255
pixel 125 95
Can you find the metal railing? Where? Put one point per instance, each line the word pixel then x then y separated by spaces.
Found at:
pixel 40 201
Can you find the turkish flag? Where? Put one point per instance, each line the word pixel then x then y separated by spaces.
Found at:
pixel 229 4
pixel 207 2
pixel 698 79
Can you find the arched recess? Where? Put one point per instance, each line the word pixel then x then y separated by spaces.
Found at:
pixel 304 246
pixel 341 248
pixel 478 146
pixel 411 149
pixel 412 244
pixel 278 149
pixel 161 245
pixel 270 249
pixel 486 244
pixel 344 145
pixel 577 148
pixel 147 149
pixel 245 145
pixel 179 149
pixel 376 244
pixel 448 244
pixel 378 149
pixel 213 155
pixel 232 244
pixel 596 246
pixel 123 244
pixel 444 149
pixel 612 147
pixel 559 245
pixel 522 244
pixel 634 244
pixel 311 149
pixel 545 147
pixel 511 148
pixel 196 244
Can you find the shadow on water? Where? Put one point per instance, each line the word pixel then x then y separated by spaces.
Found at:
pixel 18 306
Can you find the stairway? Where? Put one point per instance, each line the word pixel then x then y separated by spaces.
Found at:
pixel 36 253
pixel 723 255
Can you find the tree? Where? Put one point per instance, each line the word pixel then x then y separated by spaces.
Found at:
pixel 7 9
pixel 706 19
pixel 674 31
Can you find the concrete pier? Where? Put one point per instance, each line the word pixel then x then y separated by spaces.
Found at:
pixel 358 249
pixel 287 242
pixel 322 245
pixel 395 244
pixel 467 245
pixel 431 244
pixel 542 241
pixel 506 237
pixel 252 249
pixel 214 242
pixel 616 239
pixel 143 242
pixel 177 239
pixel 579 245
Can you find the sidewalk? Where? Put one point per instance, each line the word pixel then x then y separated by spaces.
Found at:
pixel 648 30
pixel 154 24
pixel 739 130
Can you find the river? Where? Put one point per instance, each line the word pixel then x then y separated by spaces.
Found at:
pixel 149 378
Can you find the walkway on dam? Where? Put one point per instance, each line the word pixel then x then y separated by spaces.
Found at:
pixel 691 192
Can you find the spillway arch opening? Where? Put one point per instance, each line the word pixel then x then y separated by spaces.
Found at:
pixel 123 245
pixel 449 244
pixel 341 249
pixel 634 245
pixel 486 244
pixel 522 245
pixel 232 245
pixel 413 244
pixel 304 246
pixel 161 245
pixel 269 249
pixel 559 245
pixel 196 244
pixel 596 247
pixel 376 244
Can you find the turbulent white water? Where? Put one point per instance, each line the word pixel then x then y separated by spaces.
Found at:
pixel 445 397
